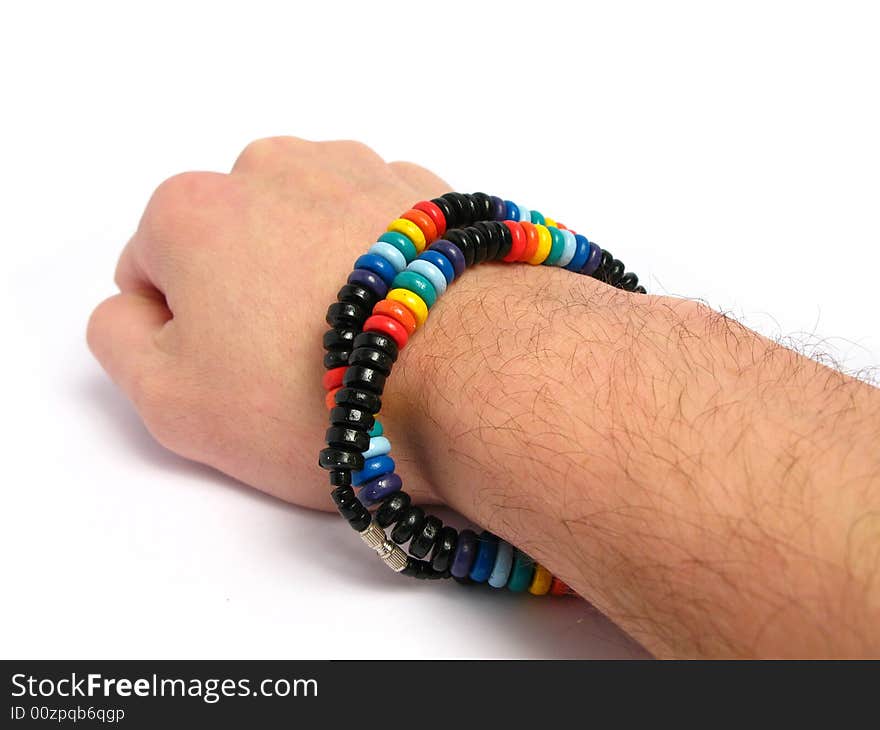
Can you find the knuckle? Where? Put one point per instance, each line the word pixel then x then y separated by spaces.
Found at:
pixel 182 196
pixel 262 151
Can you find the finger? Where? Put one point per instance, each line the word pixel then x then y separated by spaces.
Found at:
pixel 424 182
pixel 122 334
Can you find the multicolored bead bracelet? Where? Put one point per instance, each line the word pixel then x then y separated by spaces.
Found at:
pixel 386 299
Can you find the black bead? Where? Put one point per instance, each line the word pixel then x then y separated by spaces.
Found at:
pixel 615 272
pixel 601 273
pixel 351 418
pixel 378 342
pixel 464 243
pixel 467 205
pixel 424 539
pixel 481 243
pixel 362 521
pixel 485 209
pixel 346 502
pixel 640 290
pixel 628 282
pixel 356 294
pixel 409 524
pixel 506 238
pixel 340 478
pixel 456 210
pixel 336 359
pixel 339 339
pixel 447 210
pixel 370 357
pixel 346 315
pixel 392 508
pixel 354 439
pixel 331 458
pixel 358 376
pixel 492 237
pixel 358 399
pixel 421 570
pixel 444 549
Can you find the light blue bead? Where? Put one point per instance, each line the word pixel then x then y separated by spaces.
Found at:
pixel 390 254
pixel 430 272
pixel 525 214
pixel 503 565
pixel 379 445
pixel 570 248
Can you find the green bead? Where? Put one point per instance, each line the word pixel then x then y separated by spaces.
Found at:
pixel 557 246
pixel 401 243
pixel 376 430
pixel 537 218
pixel 521 575
pixel 417 284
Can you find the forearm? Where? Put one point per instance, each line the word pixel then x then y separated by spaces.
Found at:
pixel 714 493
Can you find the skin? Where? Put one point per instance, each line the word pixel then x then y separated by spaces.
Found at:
pixel 715 494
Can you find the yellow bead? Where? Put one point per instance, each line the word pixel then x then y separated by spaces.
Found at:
pixel 541 582
pixel 548 221
pixel 545 242
pixel 412 301
pixel 411 231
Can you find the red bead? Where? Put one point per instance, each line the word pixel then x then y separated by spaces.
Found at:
pixel 424 222
pixel 436 215
pixel 558 588
pixel 395 310
pixel 531 240
pixel 519 241
pixel 387 326
pixel 330 398
pixel 333 378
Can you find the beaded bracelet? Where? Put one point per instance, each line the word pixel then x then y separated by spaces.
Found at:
pixel 387 297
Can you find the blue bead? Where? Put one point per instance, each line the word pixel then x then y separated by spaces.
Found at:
pixel 503 565
pixel 431 273
pixel 485 561
pixel 375 467
pixel 580 254
pixel 378 265
pixel 377 489
pixel 441 262
pixel 379 446
pixel 390 254
pixel 499 208
pixel 593 260
pixel 512 210
pixel 369 280
pixel 465 554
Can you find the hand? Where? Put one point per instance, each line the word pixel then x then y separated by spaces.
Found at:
pixel 215 335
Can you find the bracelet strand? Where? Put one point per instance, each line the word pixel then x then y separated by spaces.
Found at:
pixel 386 298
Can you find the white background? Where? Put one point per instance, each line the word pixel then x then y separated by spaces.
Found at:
pixel 727 152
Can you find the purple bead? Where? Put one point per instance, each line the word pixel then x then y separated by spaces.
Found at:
pixel 377 489
pixel 369 280
pixel 593 260
pixel 465 554
pixel 452 252
pixel 500 208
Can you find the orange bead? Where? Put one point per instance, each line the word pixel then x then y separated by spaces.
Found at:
pixel 424 222
pixel 531 240
pixel 329 399
pixel 396 310
pixel 333 378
